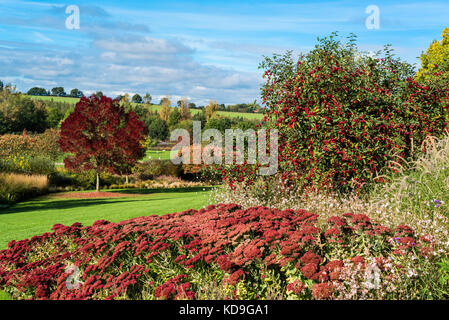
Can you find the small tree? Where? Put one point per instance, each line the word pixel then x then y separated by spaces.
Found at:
pixel 76 93
pixel 137 98
pixel 125 98
pixel 211 109
pixel 165 110
pixel 174 118
pixel 36 91
pixel 102 136
pixel 166 100
pixel 184 110
pixel 147 98
pixel 158 129
pixel 58 91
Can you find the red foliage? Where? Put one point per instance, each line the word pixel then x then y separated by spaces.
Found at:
pixel 119 258
pixel 101 135
pixel 322 290
pixel 296 287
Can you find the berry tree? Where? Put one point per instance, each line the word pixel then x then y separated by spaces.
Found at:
pixel 342 115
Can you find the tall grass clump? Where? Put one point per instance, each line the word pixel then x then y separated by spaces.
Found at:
pixel 19 187
pixel 420 187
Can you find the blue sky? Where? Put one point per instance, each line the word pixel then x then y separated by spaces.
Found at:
pixel 198 50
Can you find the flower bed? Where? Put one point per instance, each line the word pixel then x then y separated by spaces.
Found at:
pixel 219 252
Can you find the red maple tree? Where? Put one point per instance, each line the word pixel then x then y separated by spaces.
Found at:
pixel 102 136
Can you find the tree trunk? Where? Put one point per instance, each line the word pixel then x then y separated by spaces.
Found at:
pixel 98 182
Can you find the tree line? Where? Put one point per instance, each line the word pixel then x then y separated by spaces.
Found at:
pixel 19 112
pixel 253 107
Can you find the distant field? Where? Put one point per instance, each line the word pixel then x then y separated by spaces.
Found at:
pixel 250 116
pixel 56 99
pixel 156 154
pixel 156 107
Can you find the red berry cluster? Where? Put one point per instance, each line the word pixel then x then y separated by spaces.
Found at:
pixel 343 116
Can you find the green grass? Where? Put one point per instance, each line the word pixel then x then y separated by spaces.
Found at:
pixel 5 296
pixel 27 219
pixel 156 107
pixel 56 99
pixel 156 154
pixel 244 115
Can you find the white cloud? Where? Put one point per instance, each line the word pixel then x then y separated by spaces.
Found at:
pixel 141 65
pixel 40 38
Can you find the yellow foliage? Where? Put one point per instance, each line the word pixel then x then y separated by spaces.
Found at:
pixel 435 59
pixel 184 110
pixel 211 109
pixel 165 110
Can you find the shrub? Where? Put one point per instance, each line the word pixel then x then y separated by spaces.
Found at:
pixel 20 113
pixel 40 145
pixel 150 169
pixel 342 115
pixel 158 129
pixel 17 187
pixel 166 182
pixel 83 180
pixel 221 251
pixel 27 165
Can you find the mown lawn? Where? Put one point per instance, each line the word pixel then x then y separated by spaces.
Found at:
pixel 154 154
pixel 157 154
pixel 5 296
pixel 27 219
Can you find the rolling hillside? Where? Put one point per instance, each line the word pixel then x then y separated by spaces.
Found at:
pixel 250 116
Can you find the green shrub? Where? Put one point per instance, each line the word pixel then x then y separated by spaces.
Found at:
pixel 40 165
pixel 81 180
pixel 149 169
pixel 20 112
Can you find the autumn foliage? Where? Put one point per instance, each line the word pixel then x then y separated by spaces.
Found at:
pixel 434 62
pixel 220 251
pixel 101 135
pixel 342 116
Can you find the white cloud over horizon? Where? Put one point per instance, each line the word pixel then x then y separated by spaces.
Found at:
pixel 186 49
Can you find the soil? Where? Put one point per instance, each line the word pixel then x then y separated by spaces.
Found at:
pixel 92 195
